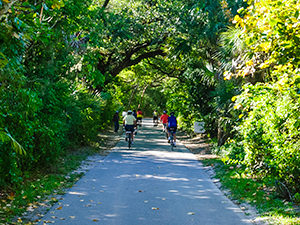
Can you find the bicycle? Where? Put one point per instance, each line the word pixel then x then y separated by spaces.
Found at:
pixel 128 138
pixel 171 138
pixel 155 121
pixel 165 129
pixel 139 121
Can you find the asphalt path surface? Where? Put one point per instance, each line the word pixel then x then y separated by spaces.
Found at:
pixel 146 185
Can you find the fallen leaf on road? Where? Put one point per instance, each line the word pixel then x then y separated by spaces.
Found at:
pixel 191 213
pixel 72 217
pixel 95 220
pixel 154 208
pixel 59 208
pixel 146 201
pixel 140 191
pixel 62 218
pixel 30 209
pixel 53 217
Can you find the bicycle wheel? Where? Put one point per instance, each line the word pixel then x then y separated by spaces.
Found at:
pixel 172 140
pixel 129 142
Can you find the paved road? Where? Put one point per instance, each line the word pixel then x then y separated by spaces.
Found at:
pixel 147 185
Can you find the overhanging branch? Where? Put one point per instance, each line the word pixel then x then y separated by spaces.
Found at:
pixel 105 4
pixel 129 62
pixel 172 73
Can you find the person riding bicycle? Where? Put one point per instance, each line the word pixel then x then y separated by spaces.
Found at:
pixel 172 126
pixel 129 122
pixel 139 116
pixel 164 119
pixel 155 117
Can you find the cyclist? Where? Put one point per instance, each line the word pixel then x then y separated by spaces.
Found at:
pixel 116 121
pixel 164 120
pixel 172 125
pixel 129 122
pixel 134 113
pixel 155 118
pixel 124 113
pixel 139 116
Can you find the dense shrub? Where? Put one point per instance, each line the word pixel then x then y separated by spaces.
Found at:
pixel 270 131
pixel 46 123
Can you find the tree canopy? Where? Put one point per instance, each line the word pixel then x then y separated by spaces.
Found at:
pixel 66 66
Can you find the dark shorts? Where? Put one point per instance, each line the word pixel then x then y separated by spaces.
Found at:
pixel 172 129
pixel 129 128
pixel 139 118
pixel 155 118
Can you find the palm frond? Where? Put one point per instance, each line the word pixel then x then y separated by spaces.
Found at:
pixel 6 136
pixel 231 41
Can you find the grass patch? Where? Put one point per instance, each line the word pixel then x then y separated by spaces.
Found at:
pixel 41 188
pixel 256 191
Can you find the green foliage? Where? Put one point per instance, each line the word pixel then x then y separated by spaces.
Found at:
pixel 5 136
pixel 270 34
pixel 65 66
pixel 44 105
pixel 270 132
pixel 267 131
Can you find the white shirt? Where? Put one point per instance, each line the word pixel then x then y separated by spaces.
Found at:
pixel 129 120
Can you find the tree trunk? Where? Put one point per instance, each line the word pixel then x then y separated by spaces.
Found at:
pixel 132 94
pixel 142 96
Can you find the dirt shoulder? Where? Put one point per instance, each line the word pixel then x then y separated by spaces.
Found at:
pixel 197 144
pixel 107 140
